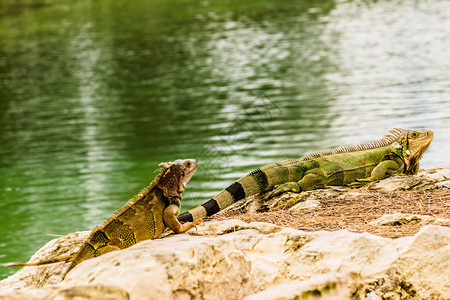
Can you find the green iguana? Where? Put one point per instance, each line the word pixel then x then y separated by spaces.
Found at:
pixel 398 153
pixel 144 217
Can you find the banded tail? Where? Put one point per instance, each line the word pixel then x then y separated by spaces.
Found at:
pixel 258 181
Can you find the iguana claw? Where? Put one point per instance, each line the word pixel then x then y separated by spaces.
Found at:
pixel 197 222
pixel 282 188
pixel 359 182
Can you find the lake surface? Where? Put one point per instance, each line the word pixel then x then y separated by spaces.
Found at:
pixel 94 94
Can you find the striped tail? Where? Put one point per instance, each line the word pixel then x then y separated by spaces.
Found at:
pixel 260 180
pixel 228 196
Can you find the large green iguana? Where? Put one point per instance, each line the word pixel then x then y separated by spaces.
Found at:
pixel 144 217
pixel 398 153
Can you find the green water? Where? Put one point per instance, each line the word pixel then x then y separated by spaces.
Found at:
pixel 94 94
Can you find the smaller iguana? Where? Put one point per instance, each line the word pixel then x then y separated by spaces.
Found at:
pixel 144 217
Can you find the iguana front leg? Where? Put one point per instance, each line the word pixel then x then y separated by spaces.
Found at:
pixel 314 179
pixel 171 214
pixel 384 169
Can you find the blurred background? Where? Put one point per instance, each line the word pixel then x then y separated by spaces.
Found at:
pixel 94 94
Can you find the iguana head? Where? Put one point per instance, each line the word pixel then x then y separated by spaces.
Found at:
pixel 188 168
pixel 412 144
pixel 175 176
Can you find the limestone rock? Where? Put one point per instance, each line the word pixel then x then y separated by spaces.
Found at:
pixel 404 183
pixel 372 296
pixel 38 276
pixel 234 260
pixel 325 286
pixel 425 180
pixel 288 200
pixel 398 219
pixel 438 174
pixel 444 184
pixel 90 292
pixel 227 226
pixel 401 219
pixel 308 204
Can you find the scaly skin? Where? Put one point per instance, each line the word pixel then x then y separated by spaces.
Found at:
pixel 144 217
pixel 356 165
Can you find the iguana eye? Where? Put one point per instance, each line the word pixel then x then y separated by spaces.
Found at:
pixel 414 134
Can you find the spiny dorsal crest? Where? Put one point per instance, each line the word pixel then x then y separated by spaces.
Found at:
pixel 386 140
pixel 277 164
pixel 142 194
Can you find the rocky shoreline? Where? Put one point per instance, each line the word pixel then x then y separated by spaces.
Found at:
pixel 229 258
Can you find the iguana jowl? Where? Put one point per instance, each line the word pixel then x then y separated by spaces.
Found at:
pixel 398 153
pixel 144 217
